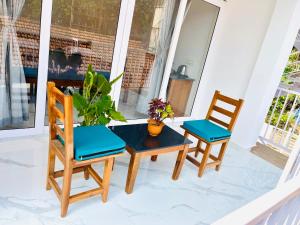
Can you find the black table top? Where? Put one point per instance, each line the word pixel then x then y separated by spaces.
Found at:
pixel 137 137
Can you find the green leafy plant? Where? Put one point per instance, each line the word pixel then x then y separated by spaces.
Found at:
pixel 95 105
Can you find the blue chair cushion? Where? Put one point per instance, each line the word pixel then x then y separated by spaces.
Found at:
pixel 94 142
pixel 207 130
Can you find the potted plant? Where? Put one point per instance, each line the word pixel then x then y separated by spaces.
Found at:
pixel 95 105
pixel 158 112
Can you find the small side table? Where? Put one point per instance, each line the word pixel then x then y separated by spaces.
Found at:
pixel 140 144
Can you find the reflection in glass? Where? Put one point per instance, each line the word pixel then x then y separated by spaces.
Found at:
pixel 192 48
pixel 151 142
pixel 19 27
pixel 150 37
pixel 82 33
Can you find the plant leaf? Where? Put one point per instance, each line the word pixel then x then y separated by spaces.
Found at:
pixel 103 104
pixel 116 79
pixel 102 85
pixel 115 115
pixel 79 102
pixel 88 84
pixel 102 120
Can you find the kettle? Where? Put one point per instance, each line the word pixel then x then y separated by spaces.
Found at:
pixel 181 70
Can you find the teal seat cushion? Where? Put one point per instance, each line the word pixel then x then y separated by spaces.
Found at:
pixel 95 141
pixel 207 130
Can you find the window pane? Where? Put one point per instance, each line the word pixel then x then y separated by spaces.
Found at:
pixel 82 33
pixel 192 48
pixel 150 37
pixel 20 34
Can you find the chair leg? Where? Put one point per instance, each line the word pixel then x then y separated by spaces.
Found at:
pixel 106 177
pixel 113 164
pixel 221 155
pixel 197 149
pixel 66 188
pixel 204 159
pixel 186 134
pixel 51 166
pixel 154 158
pixel 86 173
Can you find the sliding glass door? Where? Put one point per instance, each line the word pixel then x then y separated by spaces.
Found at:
pixel 83 33
pixel 150 36
pixel 161 45
pixel 19 57
pixel 190 56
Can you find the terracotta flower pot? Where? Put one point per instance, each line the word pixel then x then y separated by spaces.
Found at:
pixel 153 128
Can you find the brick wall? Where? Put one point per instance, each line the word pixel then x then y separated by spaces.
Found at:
pixel 96 49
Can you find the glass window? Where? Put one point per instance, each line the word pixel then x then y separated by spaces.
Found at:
pixel 150 37
pixel 82 32
pixel 20 34
pixel 191 52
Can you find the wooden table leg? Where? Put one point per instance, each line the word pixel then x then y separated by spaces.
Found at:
pixel 179 162
pixel 132 172
pixel 154 158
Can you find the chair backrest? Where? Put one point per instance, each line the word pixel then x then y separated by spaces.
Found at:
pixel 55 96
pixel 231 115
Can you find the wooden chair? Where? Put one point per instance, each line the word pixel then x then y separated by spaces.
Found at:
pixel 213 131
pixel 68 145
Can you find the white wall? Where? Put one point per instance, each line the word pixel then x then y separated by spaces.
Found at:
pixel 194 41
pixel 268 69
pixel 240 33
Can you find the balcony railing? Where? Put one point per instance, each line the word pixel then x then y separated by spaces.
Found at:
pixel 298 36
pixel 282 124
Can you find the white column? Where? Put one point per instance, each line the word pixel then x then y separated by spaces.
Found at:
pixel 267 72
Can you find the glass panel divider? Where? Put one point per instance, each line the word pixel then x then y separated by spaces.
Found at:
pixel 43 64
pixel 121 45
pixel 147 51
pixel 172 50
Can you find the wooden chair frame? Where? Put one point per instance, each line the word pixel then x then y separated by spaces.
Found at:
pixel 65 153
pixel 216 160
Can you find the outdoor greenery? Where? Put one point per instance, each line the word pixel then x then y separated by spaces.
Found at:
pixel 292 67
pixel 285 115
pixel 95 105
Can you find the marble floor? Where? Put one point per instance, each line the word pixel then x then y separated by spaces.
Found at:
pixel 156 199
